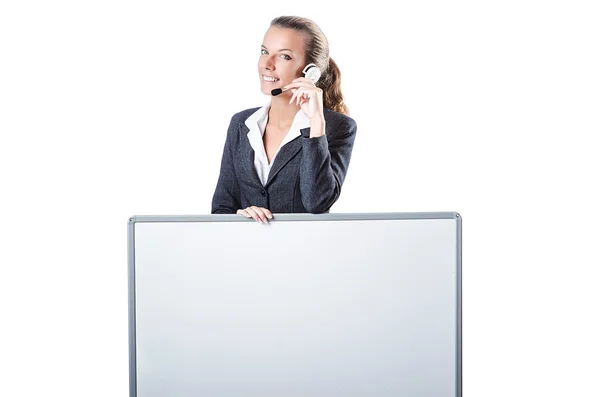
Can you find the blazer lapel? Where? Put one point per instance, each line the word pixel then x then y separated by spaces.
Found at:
pixel 247 157
pixel 286 153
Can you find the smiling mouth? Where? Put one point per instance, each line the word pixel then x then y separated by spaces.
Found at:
pixel 269 79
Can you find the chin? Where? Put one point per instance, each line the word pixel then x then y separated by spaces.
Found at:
pixel 266 89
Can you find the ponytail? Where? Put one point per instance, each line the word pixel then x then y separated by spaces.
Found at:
pixel 332 89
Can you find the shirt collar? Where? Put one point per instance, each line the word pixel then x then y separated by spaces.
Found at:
pixel 260 117
pixel 257 123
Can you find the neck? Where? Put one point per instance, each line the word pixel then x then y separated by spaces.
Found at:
pixel 281 113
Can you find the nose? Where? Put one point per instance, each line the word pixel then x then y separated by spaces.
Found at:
pixel 269 63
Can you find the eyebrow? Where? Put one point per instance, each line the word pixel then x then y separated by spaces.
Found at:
pixel 282 49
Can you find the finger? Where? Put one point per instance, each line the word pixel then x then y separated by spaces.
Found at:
pixel 261 214
pixel 301 85
pixel 252 212
pixel 304 80
pixel 268 213
pixel 293 95
pixel 304 96
pixel 244 213
pixel 308 94
pixel 263 211
pixel 304 83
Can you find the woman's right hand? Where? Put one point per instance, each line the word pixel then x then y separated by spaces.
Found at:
pixel 260 214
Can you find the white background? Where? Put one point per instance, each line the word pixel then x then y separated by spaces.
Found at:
pixel 118 108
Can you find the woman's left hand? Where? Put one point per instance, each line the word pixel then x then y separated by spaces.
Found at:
pixel 308 96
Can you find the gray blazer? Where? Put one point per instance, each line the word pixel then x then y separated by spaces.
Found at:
pixel 306 176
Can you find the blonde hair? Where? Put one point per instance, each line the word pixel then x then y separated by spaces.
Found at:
pixel 317 52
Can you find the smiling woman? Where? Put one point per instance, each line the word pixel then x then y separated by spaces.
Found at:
pixel 292 154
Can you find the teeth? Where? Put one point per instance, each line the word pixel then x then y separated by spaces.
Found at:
pixel 271 79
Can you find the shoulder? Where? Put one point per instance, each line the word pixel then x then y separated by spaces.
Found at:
pixel 237 124
pixel 339 122
pixel 241 116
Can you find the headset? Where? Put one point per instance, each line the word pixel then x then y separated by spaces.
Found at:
pixel 312 72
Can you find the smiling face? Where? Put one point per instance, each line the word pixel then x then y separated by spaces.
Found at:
pixel 281 58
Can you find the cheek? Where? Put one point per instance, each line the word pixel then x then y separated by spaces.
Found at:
pixel 291 70
pixel 298 70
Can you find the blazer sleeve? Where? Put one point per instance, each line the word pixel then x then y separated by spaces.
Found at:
pixel 226 198
pixel 324 166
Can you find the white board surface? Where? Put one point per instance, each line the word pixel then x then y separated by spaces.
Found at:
pixel 303 306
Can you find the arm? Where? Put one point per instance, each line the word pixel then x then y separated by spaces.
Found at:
pixel 324 166
pixel 226 199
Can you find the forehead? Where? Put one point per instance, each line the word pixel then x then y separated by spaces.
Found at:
pixel 277 38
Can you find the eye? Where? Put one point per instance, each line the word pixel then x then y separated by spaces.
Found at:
pixel 286 57
pixel 263 51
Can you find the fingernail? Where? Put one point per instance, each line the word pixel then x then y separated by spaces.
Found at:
pixel 270 216
pixel 258 220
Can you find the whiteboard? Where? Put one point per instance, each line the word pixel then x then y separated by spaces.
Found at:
pixel 306 305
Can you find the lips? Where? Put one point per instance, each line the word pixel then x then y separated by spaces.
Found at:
pixel 269 79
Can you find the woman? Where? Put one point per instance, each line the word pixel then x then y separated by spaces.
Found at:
pixel 292 154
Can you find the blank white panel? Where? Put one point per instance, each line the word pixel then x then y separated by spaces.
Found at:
pixel 296 308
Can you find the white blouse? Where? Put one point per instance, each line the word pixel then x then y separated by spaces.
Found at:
pixel 257 123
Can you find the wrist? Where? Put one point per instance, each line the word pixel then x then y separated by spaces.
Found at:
pixel 317 127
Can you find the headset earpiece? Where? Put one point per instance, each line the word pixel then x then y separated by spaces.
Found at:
pixel 312 72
